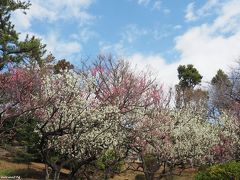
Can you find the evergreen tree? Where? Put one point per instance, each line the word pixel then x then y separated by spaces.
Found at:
pixel 12 50
pixel 188 76
pixel 62 65
pixel 220 79
pixel 221 90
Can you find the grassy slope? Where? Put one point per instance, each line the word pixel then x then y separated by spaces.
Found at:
pixel 32 171
pixel 36 171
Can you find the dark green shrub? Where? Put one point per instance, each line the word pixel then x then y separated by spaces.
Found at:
pixel 151 165
pixel 203 176
pixel 140 177
pixel 28 138
pixel 230 170
pixel 109 163
pixel 151 162
pixel 110 160
pixel 23 157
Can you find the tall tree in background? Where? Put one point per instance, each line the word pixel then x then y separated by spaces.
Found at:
pixel 188 77
pixel 62 65
pixel 220 78
pixel 12 50
pixel 220 91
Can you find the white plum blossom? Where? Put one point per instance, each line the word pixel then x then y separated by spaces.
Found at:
pixel 72 121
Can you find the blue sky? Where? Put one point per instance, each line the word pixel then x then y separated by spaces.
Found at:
pixel 158 34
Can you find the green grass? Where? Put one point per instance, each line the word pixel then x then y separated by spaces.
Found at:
pixel 23 173
pixel 6 172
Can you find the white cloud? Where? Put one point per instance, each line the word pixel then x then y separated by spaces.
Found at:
pixel 153 5
pixel 204 46
pixel 190 16
pixel 52 10
pixel 23 21
pixel 129 35
pixel 116 48
pixel 177 26
pixel 160 70
pixel 229 20
pixel 166 11
pixel 157 5
pixel 206 51
pixel 60 48
pixel 159 34
pixel 207 7
pixel 210 7
pixel 85 35
pixel 144 2
pixel 131 32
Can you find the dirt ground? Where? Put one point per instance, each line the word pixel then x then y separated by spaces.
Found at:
pixel 36 170
pixel 130 175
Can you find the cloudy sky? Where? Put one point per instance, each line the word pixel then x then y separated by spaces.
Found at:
pixel 158 34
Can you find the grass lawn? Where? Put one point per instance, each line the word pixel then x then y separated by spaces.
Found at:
pixel 32 171
pixel 188 174
pixel 36 171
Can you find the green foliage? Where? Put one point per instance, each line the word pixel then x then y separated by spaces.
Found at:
pixel 140 177
pixel 12 50
pixel 6 172
pixel 189 76
pixel 203 176
pixel 62 65
pixel 24 136
pixel 7 131
pixel 151 162
pixel 27 137
pixel 23 157
pixel 32 50
pixel 221 88
pixel 221 79
pixel 110 161
pixel 150 165
pixel 54 157
pixel 25 133
pixel 230 170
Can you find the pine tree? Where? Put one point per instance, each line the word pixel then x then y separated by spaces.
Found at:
pixel 220 79
pixel 12 50
pixel 188 76
pixel 221 91
pixel 62 65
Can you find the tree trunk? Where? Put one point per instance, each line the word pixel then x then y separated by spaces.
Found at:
pixel 105 174
pixel 46 172
pixel 71 176
pixel 148 175
pixel 56 174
